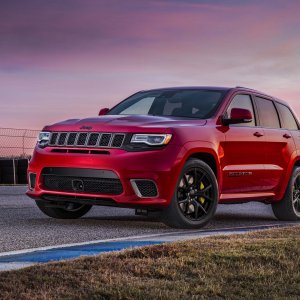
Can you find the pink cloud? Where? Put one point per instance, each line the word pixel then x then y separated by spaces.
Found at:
pixel 79 57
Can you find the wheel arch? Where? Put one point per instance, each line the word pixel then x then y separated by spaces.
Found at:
pixel 209 153
pixel 295 162
pixel 208 158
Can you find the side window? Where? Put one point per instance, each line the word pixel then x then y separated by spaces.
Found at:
pixel 287 118
pixel 268 115
pixel 245 102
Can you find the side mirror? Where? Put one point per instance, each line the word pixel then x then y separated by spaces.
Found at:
pixel 238 116
pixel 103 111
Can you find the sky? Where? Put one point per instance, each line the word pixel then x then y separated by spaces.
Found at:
pixel 63 59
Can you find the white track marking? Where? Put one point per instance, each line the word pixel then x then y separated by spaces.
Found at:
pixel 14 266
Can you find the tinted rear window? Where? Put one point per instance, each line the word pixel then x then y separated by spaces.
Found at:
pixel 267 113
pixel 287 118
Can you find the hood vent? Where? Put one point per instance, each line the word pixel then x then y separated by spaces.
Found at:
pixel 87 139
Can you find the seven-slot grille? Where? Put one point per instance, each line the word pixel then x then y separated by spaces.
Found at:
pixel 87 139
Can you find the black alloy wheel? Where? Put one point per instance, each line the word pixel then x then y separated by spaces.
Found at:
pixel 195 194
pixel 288 209
pixel 196 197
pixel 296 196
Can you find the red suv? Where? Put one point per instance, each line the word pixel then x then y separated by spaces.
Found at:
pixel 177 150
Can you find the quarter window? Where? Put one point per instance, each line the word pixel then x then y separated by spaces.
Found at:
pixel 245 102
pixel 268 115
pixel 287 118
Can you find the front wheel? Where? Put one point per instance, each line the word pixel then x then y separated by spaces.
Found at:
pixel 288 209
pixel 72 211
pixel 195 199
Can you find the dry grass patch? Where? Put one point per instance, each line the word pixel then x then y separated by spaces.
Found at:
pixel 261 265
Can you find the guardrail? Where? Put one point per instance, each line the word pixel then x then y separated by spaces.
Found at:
pixel 13 171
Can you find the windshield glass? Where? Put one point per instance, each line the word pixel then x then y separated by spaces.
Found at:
pixel 189 103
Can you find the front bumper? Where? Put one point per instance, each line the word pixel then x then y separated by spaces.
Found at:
pixel 162 167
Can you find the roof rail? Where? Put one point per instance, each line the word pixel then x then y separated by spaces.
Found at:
pixel 243 87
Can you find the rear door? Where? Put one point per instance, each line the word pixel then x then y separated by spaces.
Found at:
pixel 289 122
pixel 279 144
pixel 244 152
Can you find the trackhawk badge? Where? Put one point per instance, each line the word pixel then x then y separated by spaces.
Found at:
pixel 238 174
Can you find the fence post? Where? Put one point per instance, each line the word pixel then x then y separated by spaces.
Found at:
pixel 14 169
pixel 23 142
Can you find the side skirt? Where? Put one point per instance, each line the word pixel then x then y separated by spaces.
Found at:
pixel 246 197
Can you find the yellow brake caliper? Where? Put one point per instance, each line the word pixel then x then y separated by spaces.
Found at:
pixel 202 199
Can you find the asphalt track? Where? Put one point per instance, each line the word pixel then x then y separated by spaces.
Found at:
pixel 23 226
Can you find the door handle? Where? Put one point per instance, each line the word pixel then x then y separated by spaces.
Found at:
pixel 287 136
pixel 258 134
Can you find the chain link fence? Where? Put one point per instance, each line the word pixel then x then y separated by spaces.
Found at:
pixel 17 143
pixel 16 147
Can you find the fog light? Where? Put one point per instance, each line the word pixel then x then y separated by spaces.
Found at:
pixel 32 180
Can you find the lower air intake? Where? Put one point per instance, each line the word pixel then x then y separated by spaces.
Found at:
pixel 144 188
pixel 85 181
pixel 82 185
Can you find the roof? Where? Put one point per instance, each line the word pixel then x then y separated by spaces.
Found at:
pixel 217 88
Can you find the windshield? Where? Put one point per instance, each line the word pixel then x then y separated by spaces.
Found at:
pixel 189 103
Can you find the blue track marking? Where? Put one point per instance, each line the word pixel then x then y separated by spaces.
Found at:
pixel 45 256
pixel 11 261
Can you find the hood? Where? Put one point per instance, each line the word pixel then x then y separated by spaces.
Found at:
pixel 123 123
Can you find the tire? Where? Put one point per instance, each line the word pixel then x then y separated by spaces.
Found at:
pixel 77 211
pixel 194 202
pixel 288 209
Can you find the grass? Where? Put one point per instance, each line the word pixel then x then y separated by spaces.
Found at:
pixel 260 265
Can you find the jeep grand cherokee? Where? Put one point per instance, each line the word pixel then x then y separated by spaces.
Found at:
pixel 177 150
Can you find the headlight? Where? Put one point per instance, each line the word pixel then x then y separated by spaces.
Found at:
pixel 151 139
pixel 43 139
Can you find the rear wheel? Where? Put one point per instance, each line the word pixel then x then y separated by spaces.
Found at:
pixel 288 209
pixel 71 211
pixel 195 199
